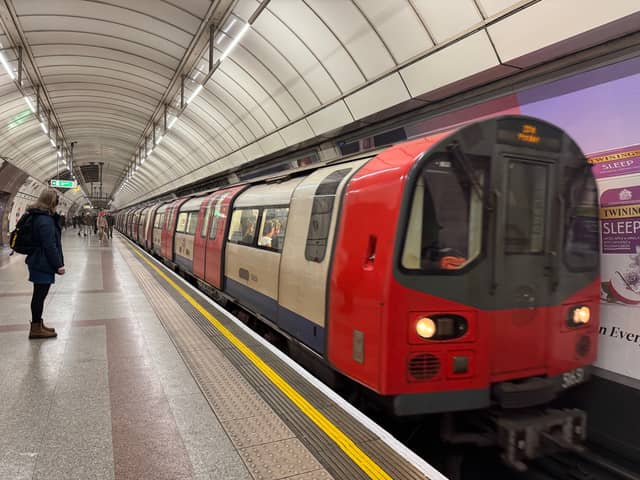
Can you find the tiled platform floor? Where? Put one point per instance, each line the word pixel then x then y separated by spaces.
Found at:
pixel 110 398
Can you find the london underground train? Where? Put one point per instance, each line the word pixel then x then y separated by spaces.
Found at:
pixel 456 272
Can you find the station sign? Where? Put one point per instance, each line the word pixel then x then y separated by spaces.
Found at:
pixel 64 183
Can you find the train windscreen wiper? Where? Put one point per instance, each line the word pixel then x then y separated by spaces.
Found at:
pixel 464 169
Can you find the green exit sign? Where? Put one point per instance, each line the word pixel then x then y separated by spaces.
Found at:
pixel 64 183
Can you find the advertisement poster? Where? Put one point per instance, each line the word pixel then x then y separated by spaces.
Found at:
pixel 618 174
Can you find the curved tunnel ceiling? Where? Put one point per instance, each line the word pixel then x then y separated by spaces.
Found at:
pixel 300 69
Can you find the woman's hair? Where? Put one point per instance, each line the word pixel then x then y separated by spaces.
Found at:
pixel 48 200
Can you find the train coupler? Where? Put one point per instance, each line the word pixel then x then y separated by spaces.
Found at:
pixel 526 436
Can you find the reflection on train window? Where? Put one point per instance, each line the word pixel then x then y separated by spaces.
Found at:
pixel 157 221
pixel 581 250
pixel 274 223
pixel 444 231
pixel 243 226
pixel 217 215
pixel 205 221
pixel 321 212
pixel 526 207
pixel 192 222
pixel 182 222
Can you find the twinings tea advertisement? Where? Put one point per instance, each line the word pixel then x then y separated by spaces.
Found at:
pixel 619 346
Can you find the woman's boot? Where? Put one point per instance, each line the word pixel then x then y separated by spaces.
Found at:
pixel 38 332
pixel 51 329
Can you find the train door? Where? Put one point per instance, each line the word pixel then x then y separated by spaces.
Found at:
pixel 200 240
pixel 523 247
pixel 217 230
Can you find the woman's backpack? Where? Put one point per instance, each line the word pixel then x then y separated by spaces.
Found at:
pixel 21 239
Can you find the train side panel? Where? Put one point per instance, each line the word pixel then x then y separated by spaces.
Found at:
pixel 307 252
pixel 253 251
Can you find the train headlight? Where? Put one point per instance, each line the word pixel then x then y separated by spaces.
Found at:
pixel 579 316
pixel 426 328
pixel 441 327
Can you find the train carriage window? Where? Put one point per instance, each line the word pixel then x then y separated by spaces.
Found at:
pixel 192 222
pixel 274 224
pixel 321 212
pixel 243 226
pixel 217 215
pixel 444 230
pixel 182 222
pixel 205 220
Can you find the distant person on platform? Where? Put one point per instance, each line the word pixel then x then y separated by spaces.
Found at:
pixel 46 260
pixel 102 225
pixel 110 222
pixel 87 224
pixel 63 222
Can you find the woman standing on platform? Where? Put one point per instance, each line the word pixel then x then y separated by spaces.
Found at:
pixel 46 260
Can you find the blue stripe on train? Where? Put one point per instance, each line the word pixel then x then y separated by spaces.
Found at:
pixel 301 328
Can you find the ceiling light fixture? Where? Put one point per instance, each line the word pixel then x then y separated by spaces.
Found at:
pixel 44 127
pixel 195 93
pixel 6 66
pixel 235 41
pixel 172 122
pixel 31 107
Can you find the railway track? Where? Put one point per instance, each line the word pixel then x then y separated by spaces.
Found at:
pixel 578 466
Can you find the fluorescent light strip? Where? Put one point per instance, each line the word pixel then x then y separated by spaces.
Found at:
pixel 6 66
pixel 159 139
pixel 31 107
pixel 44 127
pixel 233 21
pixel 172 122
pixel 235 41
pixel 53 144
pixel 195 93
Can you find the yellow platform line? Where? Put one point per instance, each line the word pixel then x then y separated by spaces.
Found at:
pixel 360 458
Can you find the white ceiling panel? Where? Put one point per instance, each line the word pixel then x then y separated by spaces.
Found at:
pixel 462 59
pixel 445 19
pixel 385 93
pixel 271 143
pixel 283 69
pixel 492 7
pixel 251 152
pixel 267 80
pixel 238 108
pixel 96 40
pixel 321 41
pixel 330 117
pixel 549 22
pixel 283 37
pixel 256 91
pixel 251 106
pixel 356 34
pixel 296 132
pixel 400 28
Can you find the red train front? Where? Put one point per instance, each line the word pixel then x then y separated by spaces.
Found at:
pixel 473 264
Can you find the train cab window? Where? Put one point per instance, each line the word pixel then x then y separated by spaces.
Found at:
pixel 182 222
pixel 581 247
pixel 321 212
pixel 444 230
pixel 526 207
pixel 243 226
pixel 272 228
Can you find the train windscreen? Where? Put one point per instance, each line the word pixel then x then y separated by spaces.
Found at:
pixel 446 216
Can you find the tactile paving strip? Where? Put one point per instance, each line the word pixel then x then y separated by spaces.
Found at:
pixel 230 382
